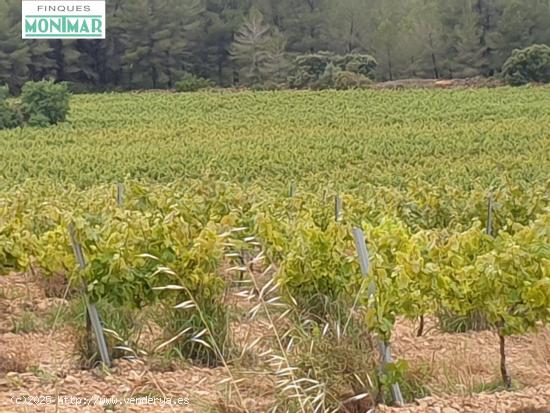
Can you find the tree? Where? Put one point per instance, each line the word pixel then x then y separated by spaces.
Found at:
pixel 41 64
pixel 14 52
pixel 388 36
pixel 425 43
pixel 155 40
pixel 346 26
pixel 220 21
pixel 520 24
pixel 303 25
pixel 471 57
pixel 531 64
pixel 152 43
pixel 258 50
pixel 72 64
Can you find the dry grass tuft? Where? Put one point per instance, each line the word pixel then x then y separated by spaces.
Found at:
pixel 459 372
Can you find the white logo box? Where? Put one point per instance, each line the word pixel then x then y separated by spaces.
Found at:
pixel 66 19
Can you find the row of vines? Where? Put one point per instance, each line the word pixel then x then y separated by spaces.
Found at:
pixel 213 182
pixel 424 264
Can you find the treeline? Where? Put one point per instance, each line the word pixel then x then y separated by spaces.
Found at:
pixel 155 43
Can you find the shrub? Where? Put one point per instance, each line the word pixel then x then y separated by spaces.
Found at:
pixel 531 64
pixel 349 80
pixel 326 81
pixel 361 64
pixel 44 103
pixel 9 114
pixel 192 83
pixel 320 70
pixel 4 93
pixel 309 68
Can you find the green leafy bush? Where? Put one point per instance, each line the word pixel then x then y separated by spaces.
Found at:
pixel 531 64
pixel 192 83
pixel 327 79
pixel 361 64
pixel 44 103
pixel 320 70
pixel 309 68
pixel 350 80
pixel 9 114
pixel 335 78
pixel 4 93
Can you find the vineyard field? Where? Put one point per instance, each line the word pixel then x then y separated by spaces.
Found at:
pixel 347 139
pixel 203 215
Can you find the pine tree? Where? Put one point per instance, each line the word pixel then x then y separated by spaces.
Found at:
pixel 471 58
pixel 257 50
pixel 42 65
pixel 155 40
pixel 75 64
pixel 346 26
pixel 14 52
pixel 151 43
pixel 387 38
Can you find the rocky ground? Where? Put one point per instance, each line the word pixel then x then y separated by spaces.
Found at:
pixel 40 364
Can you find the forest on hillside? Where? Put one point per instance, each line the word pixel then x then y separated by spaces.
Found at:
pixel 154 43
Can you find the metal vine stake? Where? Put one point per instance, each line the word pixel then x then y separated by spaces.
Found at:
pixel 292 189
pixel 489 228
pixel 120 194
pixel 90 307
pixel 337 208
pixel 383 346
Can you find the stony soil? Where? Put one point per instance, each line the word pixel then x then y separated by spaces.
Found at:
pixel 455 367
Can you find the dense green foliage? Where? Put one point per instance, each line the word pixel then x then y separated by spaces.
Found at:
pixel 528 65
pixel 192 83
pixel 151 43
pixel 326 70
pixel 406 141
pixel 41 104
pixel 207 177
pixel 44 103
pixel 9 114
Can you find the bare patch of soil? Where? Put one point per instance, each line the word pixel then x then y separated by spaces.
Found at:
pixel 455 366
pixel 461 363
